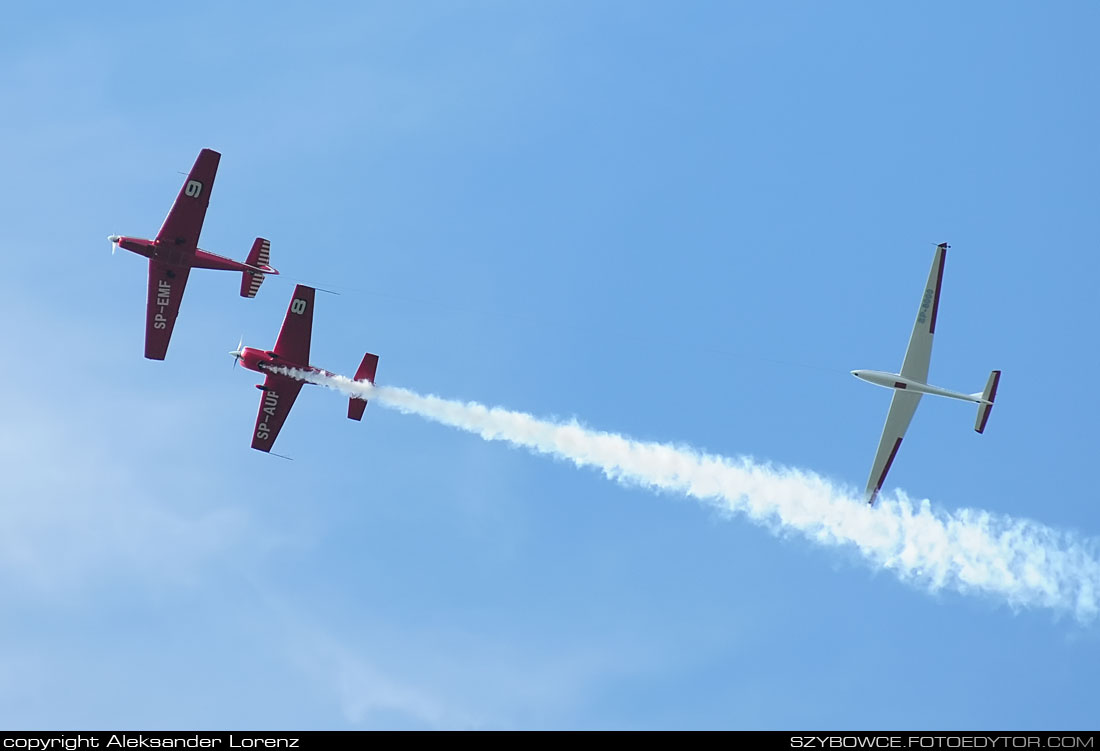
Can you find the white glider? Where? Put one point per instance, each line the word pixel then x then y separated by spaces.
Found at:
pixel 912 382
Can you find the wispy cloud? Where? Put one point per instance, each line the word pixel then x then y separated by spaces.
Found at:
pixel 1017 560
pixel 429 674
pixel 366 694
pixel 66 519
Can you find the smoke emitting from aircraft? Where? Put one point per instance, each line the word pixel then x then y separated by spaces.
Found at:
pixel 1022 562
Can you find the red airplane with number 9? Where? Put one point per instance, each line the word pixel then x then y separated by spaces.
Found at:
pixel 291 351
pixel 175 251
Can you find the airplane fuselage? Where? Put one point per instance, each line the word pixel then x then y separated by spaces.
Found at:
pixel 166 252
pixel 897 382
pixel 262 361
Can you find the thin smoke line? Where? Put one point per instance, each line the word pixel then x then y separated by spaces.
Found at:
pixel 1022 562
pixel 736 355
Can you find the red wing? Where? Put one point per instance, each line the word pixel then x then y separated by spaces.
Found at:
pixel 166 284
pixel 278 397
pixel 183 224
pixel 294 336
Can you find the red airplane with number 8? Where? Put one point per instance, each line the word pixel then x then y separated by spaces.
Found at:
pixel 292 351
pixel 175 251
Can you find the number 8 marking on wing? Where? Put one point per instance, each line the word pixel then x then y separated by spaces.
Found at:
pixel 298 306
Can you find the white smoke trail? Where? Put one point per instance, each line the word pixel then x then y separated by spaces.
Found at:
pixel 971 551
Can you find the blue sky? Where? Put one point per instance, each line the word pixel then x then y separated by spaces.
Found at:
pixel 681 222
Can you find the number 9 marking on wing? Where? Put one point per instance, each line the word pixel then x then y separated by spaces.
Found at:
pixel 193 189
pixel 298 306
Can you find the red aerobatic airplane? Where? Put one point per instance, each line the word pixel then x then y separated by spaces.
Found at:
pixel 175 251
pixel 292 351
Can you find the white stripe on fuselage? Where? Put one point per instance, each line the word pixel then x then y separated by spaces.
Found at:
pixel 895 381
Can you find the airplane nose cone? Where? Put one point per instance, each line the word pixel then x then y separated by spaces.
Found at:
pixel 113 238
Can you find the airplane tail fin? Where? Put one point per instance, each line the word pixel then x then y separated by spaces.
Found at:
pixel 259 256
pixel 366 372
pixel 988 396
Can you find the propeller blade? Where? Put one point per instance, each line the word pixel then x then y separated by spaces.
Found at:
pixel 237 352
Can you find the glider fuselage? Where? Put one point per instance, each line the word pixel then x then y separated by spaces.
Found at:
pixel 897 382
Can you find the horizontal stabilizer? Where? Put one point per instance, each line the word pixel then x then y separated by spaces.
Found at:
pixel 259 256
pixel 367 370
pixel 988 397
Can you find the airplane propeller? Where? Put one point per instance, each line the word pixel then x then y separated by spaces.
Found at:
pixel 114 243
pixel 237 352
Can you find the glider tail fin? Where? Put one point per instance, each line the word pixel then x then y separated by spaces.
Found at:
pixel 260 257
pixel 988 396
pixel 366 372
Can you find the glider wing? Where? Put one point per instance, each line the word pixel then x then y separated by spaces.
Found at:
pixel 902 407
pixel 919 353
